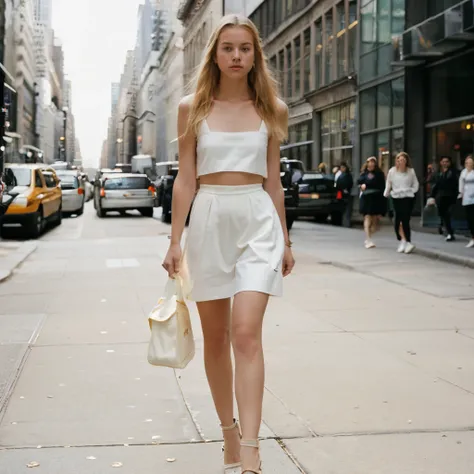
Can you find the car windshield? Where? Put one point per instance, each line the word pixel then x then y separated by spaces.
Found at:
pixel 17 176
pixel 316 183
pixel 139 182
pixel 68 181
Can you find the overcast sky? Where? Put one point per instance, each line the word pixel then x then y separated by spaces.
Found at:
pixel 96 35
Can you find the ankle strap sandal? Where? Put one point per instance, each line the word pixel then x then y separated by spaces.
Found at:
pixel 231 468
pixel 252 443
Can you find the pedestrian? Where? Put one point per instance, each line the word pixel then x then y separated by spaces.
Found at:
pixel 466 191
pixel 322 168
pixel 344 184
pixel 372 200
pixel 402 185
pixel 444 193
pixel 237 245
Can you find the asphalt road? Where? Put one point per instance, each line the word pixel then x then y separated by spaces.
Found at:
pixel 370 360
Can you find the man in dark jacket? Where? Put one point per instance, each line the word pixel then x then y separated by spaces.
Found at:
pixel 344 184
pixel 444 193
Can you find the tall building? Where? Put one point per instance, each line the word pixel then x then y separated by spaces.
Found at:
pixel 144 32
pixel 57 55
pixel 44 12
pixel 115 93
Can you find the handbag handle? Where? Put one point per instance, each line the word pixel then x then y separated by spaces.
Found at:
pixel 174 287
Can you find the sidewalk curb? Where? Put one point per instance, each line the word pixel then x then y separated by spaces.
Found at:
pixel 17 258
pixel 445 257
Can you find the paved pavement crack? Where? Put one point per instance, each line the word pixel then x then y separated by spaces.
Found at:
pixel 188 408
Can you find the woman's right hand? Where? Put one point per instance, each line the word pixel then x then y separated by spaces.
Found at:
pixel 172 261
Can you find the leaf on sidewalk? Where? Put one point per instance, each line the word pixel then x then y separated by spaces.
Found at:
pixel 33 464
pixel 91 458
pixel 117 464
pixel 170 459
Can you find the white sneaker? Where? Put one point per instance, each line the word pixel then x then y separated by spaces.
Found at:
pixel 401 247
pixel 470 245
pixel 369 244
pixel 409 247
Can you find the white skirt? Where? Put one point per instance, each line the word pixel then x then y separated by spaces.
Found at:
pixel 235 243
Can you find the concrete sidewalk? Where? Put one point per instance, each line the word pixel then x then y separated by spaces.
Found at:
pixel 13 254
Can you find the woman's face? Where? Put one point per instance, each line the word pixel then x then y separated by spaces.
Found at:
pixel 343 169
pixel 469 163
pixel 371 165
pixel 402 162
pixel 235 53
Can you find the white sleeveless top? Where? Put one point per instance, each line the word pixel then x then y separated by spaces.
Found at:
pixel 232 151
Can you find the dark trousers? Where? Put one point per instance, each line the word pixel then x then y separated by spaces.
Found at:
pixel 403 208
pixel 470 218
pixel 445 204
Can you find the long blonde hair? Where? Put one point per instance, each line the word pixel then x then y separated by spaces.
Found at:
pixel 260 80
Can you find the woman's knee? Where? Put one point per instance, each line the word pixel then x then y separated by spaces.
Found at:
pixel 217 342
pixel 246 341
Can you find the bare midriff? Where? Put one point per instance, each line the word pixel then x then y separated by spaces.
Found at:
pixel 230 178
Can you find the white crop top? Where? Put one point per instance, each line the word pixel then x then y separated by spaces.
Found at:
pixel 232 151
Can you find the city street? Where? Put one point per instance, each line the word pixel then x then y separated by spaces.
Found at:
pixel 370 360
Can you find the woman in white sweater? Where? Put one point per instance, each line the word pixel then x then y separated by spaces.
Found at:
pixel 402 185
pixel 466 190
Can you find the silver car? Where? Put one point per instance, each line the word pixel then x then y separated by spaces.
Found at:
pixel 126 191
pixel 73 192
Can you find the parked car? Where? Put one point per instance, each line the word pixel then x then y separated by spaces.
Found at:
pixel 319 198
pixel 73 189
pixel 163 171
pixel 125 191
pixel 291 171
pixel 97 182
pixel 36 198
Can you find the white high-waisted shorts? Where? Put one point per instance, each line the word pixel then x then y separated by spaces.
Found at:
pixel 235 243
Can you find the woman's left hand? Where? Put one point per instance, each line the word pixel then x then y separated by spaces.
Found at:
pixel 288 261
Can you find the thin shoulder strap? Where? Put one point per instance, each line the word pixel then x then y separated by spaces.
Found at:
pixel 263 127
pixel 205 126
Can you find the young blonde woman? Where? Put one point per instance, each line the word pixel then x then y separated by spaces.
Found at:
pixel 237 245
pixel 402 185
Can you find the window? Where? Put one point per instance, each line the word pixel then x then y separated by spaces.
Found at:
pixel 297 67
pixel 318 62
pixel 329 47
pixel 383 21
pixel 299 136
pixel 398 101
pixel 307 61
pixel 49 179
pixel 341 39
pixel 126 183
pixel 38 180
pixel 273 63
pixel 383 105
pixel 368 14
pixel 383 151
pixel 281 70
pixel 289 73
pixel 289 7
pixel 398 17
pixel 368 109
pixel 353 24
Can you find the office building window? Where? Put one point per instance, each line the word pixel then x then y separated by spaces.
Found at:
pixel 289 73
pixel 383 105
pixel 297 67
pixel 281 71
pixel 329 47
pixel 341 39
pixel 337 134
pixel 353 24
pixel 437 6
pixel 318 53
pixel 299 139
pixel 398 17
pixel 289 7
pixel 307 61
pixel 383 21
pixel 368 16
pixel 398 101
pixel 368 101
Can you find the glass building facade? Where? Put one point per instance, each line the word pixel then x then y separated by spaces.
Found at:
pixel 382 85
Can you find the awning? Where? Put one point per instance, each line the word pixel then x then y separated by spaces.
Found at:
pixel 13 135
pixel 32 148
pixel 9 76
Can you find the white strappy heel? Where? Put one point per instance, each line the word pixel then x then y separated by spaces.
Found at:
pixel 252 443
pixel 235 467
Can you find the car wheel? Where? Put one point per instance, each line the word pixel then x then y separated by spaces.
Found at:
pixel 336 218
pixel 59 217
pixel 37 225
pixel 81 210
pixel 147 212
pixel 100 212
pixel 166 214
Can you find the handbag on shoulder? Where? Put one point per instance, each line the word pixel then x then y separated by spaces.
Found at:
pixel 171 341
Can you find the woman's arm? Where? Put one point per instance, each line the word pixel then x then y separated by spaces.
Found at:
pixel 388 185
pixel 184 187
pixel 415 183
pixel 272 184
pixel 461 182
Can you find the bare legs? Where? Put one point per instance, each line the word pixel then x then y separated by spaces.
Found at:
pixel 215 321
pixel 247 319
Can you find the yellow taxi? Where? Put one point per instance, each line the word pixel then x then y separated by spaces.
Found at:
pixel 37 197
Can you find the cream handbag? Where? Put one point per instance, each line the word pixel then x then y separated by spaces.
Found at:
pixel 172 341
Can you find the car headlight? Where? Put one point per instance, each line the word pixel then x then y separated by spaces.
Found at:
pixel 21 200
